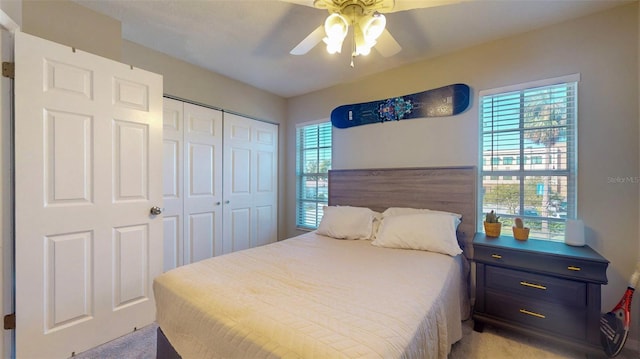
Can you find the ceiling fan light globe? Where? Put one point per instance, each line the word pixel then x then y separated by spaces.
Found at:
pixel 373 26
pixel 336 26
pixel 333 46
pixel 363 47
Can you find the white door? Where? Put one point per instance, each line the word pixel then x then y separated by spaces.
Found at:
pixel 173 182
pixel 192 183
pixel 250 183
pixel 88 168
pixel 203 183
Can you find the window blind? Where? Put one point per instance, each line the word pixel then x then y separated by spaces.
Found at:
pixel 528 156
pixel 313 162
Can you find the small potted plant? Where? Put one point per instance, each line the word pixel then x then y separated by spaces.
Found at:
pixel 491 225
pixel 520 232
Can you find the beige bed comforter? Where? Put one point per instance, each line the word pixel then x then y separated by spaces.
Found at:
pixel 314 297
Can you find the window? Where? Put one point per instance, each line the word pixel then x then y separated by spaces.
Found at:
pixel 535 122
pixel 313 162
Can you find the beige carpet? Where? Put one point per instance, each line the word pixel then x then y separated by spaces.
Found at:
pixel 140 344
pixel 493 343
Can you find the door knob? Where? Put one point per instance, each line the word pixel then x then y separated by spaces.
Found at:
pixel 155 210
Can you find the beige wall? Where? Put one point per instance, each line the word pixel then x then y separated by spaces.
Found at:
pixel 603 48
pixel 73 25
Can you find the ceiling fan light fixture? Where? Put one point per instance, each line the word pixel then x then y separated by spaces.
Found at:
pixel 336 28
pixel 333 46
pixel 373 26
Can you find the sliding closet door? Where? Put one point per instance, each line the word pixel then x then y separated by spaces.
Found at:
pixel 173 183
pixel 250 183
pixel 192 183
pixel 219 186
pixel 203 183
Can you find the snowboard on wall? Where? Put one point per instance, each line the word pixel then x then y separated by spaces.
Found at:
pixel 444 101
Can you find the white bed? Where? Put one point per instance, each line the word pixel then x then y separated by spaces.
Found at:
pixel 313 296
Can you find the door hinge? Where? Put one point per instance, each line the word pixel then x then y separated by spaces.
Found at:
pixel 10 321
pixel 8 69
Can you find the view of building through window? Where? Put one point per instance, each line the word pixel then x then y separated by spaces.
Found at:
pixel 528 159
pixel 313 162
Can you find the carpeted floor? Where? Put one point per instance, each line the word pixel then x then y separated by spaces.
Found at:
pixel 498 343
pixel 493 343
pixel 140 344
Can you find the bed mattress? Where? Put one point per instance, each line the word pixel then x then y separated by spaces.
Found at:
pixel 314 297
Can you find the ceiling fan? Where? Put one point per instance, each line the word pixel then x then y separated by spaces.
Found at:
pixel 365 18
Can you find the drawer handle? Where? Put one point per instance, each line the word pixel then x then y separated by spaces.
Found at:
pixel 496 256
pixel 533 314
pixel 573 268
pixel 537 286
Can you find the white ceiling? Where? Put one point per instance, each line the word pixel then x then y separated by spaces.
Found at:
pixel 250 40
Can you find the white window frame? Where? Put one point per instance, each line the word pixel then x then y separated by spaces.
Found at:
pixel 519 170
pixel 301 218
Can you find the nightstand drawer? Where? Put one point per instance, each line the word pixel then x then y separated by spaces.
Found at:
pixel 535 286
pixel 546 316
pixel 543 263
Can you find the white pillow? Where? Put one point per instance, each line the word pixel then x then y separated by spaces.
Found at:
pixel 429 231
pixel 346 222
pixel 399 211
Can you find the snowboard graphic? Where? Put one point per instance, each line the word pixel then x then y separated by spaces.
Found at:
pixel 444 101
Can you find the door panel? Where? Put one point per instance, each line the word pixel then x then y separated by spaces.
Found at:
pixel 68 260
pixel 201 164
pixel 265 198
pixel 130 145
pixel 131 245
pixel 239 230
pixel 192 182
pixel 240 173
pixel 202 205
pixel 68 164
pixel 87 159
pixel 172 242
pixel 201 233
pixel 265 231
pixel 250 177
pixel 265 174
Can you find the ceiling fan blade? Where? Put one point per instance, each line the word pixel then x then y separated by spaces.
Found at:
pixel 403 5
pixel 300 2
pixel 309 42
pixel 387 46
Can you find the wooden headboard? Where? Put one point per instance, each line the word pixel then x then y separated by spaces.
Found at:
pixel 450 189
